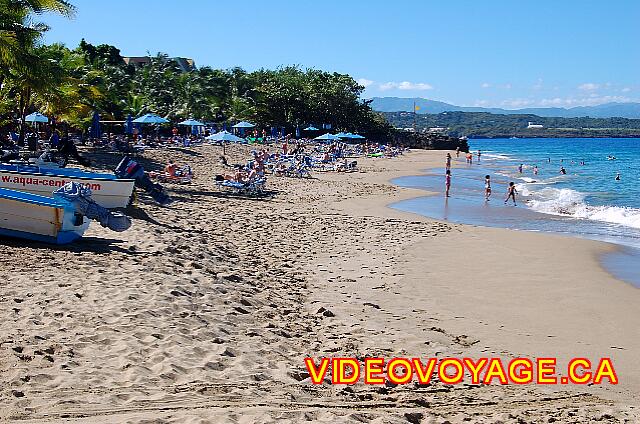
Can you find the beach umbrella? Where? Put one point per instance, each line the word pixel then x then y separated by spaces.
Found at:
pixel 36 117
pixel 311 128
pixel 96 131
pixel 191 123
pixel 128 125
pixel 342 135
pixel 225 136
pixel 356 136
pixel 195 125
pixel 327 137
pixel 150 118
pixel 242 125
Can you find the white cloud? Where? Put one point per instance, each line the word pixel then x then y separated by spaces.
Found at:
pixel 405 85
pixel 538 85
pixel 591 100
pixel 588 86
pixel 481 103
pixel 365 82
pixel 626 90
pixel 485 85
pixel 517 103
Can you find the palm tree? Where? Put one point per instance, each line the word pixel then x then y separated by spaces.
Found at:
pixel 19 36
pixel 18 31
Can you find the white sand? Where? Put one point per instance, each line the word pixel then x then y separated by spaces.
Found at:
pixel 204 311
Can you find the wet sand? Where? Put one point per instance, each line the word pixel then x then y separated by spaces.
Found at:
pixel 204 311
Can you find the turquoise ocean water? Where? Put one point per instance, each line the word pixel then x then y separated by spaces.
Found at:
pixel 588 201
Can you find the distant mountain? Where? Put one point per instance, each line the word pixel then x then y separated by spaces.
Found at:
pixel 608 110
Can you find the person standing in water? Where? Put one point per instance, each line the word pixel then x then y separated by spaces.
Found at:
pixel 563 171
pixel 447 182
pixel 520 168
pixel 487 187
pixel 458 151
pixel 448 164
pixel 535 170
pixel 511 193
pixel 479 153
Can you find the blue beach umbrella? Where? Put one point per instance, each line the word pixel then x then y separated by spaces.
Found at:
pixel 96 131
pixel 342 135
pixel 195 125
pixel 356 136
pixel 150 118
pixel 311 128
pixel 36 117
pixel 242 125
pixel 327 137
pixel 191 123
pixel 225 136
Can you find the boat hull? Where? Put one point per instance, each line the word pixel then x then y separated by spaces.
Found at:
pixel 106 191
pixel 39 218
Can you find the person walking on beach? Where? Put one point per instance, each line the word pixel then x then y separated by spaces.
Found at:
pixel 511 193
pixel 458 151
pixel 447 182
pixel 487 187
pixel 448 164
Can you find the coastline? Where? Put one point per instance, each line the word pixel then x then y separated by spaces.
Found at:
pixel 207 309
pixel 576 263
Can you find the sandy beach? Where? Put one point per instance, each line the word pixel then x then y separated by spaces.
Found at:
pixel 204 310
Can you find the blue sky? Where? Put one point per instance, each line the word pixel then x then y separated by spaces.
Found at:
pixel 511 54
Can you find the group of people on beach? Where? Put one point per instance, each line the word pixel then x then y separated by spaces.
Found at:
pixel 511 188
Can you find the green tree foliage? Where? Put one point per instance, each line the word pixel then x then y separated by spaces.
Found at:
pixel 69 84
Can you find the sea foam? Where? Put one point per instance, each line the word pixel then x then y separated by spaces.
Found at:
pixel 568 202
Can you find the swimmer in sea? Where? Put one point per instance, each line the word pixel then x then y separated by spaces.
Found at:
pixel 535 170
pixel 618 177
pixel 563 171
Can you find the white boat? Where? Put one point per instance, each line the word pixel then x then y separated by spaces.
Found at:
pixel 40 218
pixel 107 190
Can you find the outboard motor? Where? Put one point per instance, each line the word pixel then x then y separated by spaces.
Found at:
pixel 80 197
pixel 128 168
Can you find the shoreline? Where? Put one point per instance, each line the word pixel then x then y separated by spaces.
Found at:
pixel 614 254
pixel 590 251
